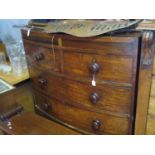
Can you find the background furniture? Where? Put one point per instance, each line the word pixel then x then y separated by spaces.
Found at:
pixel 32 124
pixel 15 119
pixel 23 83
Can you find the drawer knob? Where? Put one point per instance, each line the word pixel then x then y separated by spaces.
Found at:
pixel 39 57
pixel 94 68
pixel 96 124
pixel 94 97
pixel 42 82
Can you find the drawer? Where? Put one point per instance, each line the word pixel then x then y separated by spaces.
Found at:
pixel 42 56
pixel 101 97
pixel 86 120
pixel 116 45
pixel 103 67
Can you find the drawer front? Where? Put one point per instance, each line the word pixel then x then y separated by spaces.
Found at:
pixel 89 121
pixel 126 46
pixel 110 68
pixel 101 97
pixel 115 44
pixel 116 57
pixel 42 56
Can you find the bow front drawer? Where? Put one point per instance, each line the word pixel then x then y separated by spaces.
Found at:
pixel 101 97
pixel 86 120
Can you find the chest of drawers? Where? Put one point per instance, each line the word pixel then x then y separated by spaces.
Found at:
pixel 93 84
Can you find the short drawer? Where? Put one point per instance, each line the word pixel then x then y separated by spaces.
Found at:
pixel 86 120
pixel 42 56
pixel 103 67
pixel 82 94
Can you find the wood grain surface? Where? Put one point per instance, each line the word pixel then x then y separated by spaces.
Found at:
pixel 32 124
pixel 65 72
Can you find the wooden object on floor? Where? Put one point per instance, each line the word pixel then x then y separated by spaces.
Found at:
pixel 27 122
pixel 21 95
pixel 95 80
pixel 32 124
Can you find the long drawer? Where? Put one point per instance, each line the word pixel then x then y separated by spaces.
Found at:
pixel 102 97
pixel 86 120
pixel 118 45
pixel 114 63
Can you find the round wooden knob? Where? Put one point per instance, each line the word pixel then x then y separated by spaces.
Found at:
pixel 96 124
pixel 39 57
pixel 94 97
pixel 42 82
pixel 94 68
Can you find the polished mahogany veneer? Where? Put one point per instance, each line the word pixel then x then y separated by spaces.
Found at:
pixel 89 84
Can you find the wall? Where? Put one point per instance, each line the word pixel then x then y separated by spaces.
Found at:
pixel 7 31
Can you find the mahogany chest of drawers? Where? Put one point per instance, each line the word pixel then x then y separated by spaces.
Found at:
pixel 93 85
